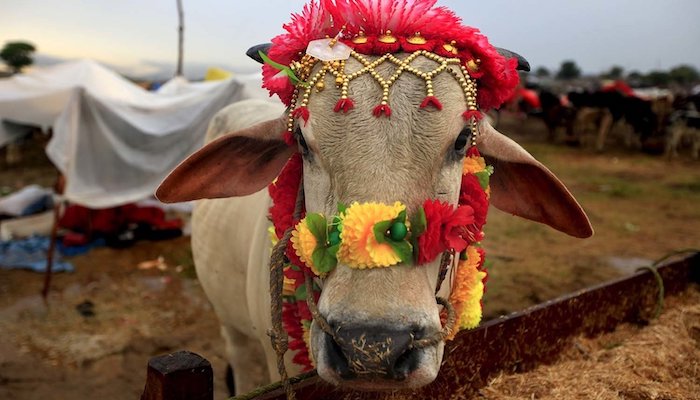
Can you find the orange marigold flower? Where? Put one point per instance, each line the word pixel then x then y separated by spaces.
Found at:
pixel 304 244
pixel 472 165
pixel 467 291
pixel 359 248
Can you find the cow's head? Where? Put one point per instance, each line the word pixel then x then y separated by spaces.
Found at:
pixel 413 155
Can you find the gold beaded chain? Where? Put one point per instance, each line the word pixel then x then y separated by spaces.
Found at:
pixel 304 67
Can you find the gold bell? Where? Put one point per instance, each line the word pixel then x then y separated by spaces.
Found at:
pixel 417 39
pixel 360 38
pixel 451 47
pixel 388 38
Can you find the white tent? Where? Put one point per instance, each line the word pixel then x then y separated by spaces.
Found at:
pixel 113 140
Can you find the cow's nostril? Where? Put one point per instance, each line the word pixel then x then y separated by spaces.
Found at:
pixel 404 365
pixel 337 359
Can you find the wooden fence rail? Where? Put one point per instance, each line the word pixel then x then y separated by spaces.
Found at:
pixel 516 342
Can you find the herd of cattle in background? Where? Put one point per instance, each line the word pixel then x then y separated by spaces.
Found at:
pixel 655 121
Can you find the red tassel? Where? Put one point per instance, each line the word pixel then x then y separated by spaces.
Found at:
pixel 473 152
pixel 344 105
pixel 382 108
pixel 410 48
pixel 288 137
pixel 363 48
pixel 302 112
pixel 383 48
pixel 431 101
pixel 469 114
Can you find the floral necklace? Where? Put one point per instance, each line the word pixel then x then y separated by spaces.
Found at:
pixel 376 235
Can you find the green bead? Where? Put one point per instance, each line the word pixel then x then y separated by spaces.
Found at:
pixel 338 224
pixel 398 231
pixel 334 238
pixel 463 255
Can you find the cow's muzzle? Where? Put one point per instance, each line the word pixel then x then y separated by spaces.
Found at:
pixel 373 352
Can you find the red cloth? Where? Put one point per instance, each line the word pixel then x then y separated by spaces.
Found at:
pixel 619 86
pixel 112 220
pixel 531 98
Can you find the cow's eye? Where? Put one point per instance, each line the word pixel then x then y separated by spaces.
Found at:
pixel 465 136
pixel 302 142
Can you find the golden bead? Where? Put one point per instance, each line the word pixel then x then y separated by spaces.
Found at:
pixel 339 80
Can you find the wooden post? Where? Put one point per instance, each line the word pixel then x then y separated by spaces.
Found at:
pixel 180 37
pixel 179 376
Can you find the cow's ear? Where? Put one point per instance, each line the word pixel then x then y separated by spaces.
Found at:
pixel 238 164
pixel 522 186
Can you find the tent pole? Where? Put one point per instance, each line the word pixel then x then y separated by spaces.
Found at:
pixel 58 187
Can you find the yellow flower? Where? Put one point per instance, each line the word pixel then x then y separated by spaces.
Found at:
pixel 304 243
pixel 472 165
pixel 467 291
pixel 359 248
pixel 288 287
pixel 307 341
pixel 273 235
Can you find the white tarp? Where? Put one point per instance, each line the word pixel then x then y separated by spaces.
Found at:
pixel 113 140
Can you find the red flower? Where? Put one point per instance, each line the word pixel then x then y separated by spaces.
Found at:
pixel 284 194
pixel 430 243
pixel 473 195
pixel 455 232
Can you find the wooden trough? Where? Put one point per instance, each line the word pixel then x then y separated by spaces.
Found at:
pixel 512 343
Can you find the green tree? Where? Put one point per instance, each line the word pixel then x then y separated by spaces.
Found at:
pixel 658 78
pixel 684 74
pixel 635 78
pixel 568 70
pixel 17 55
pixel 542 72
pixel 616 72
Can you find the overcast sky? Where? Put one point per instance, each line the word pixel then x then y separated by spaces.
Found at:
pixel 139 36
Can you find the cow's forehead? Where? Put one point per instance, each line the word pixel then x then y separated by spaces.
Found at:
pixel 408 121
pixel 385 158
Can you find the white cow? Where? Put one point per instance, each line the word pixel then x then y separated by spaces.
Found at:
pixel 385 129
pixel 231 245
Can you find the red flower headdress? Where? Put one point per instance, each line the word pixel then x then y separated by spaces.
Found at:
pixel 378 27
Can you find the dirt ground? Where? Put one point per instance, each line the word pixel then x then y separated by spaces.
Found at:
pixel 642 208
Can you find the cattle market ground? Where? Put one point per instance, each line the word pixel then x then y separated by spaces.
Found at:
pixel 642 208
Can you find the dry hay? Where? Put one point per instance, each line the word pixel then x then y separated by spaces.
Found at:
pixel 658 361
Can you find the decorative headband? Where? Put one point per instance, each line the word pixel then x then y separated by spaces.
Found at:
pixel 331 31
